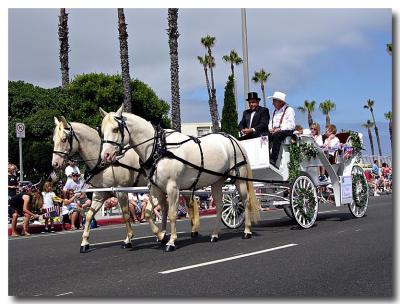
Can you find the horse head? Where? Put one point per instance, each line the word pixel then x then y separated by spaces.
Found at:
pixel 63 138
pixel 113 129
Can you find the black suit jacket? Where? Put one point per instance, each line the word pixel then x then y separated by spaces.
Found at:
pixel 260 121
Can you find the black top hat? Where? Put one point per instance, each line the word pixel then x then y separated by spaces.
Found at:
pixel 253 95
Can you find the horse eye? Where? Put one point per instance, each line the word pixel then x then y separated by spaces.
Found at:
pixel 115 130
pixel 64 140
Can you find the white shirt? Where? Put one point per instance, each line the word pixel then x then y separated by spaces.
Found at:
pixel 69 170
pixel 332 144
pixel 70 184
pixel 48 199
pixel 251 117
pixel 318 140
pixel 288 122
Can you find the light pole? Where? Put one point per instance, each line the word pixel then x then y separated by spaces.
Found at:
pixel 245 57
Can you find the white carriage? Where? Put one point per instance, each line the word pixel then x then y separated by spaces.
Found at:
pixel 300 194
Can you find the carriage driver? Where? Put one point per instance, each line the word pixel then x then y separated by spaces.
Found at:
pixel 281 125
pixel 255 119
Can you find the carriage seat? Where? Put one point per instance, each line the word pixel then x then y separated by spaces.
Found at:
pixel 343 137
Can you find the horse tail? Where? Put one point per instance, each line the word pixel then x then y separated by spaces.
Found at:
pixel 253 203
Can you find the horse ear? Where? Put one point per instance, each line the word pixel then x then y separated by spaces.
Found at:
pixel 119 112
pixel 102 112
pixel 56 121
pixel 64 121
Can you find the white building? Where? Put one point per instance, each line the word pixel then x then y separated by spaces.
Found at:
pixel 196 128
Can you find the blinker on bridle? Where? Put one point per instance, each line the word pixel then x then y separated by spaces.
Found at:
pixel 121 121
pixel 71 135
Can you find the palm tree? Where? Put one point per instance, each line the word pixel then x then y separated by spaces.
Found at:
pixel 208 42
pixel 207 62
pixel 123 50
pixel 64 46
pixel 234 59
pixel 309 107
pixel 368 126
pixel 389 116
pixel 173 36
pixel 370 106
pixel 389 48
pixel 326 107
pixel 261 77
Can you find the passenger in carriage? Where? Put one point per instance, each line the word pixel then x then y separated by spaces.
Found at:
pixel 255 120
pixel 331 144
pixel 315 133
pixel 281 125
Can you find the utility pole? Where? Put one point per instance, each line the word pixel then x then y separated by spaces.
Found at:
pixel 245 57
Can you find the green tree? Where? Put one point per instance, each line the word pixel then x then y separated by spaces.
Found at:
pixel 124 56
pixel 309 107
pixel 173 36
pixel 368 126
pixel 370 106
pixel 208 42
pixel 326 107
pixel 229 114
pixel 234 59
pixel 261 77
pixel 389 116
pixel 36 107
pixel 64 46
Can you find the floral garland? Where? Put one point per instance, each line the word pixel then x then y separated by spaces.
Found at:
pixel 298 153
pixel 356 179
pixel 306 197
pixel 355 142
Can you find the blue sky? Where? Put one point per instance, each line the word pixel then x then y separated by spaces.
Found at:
pixel 313 54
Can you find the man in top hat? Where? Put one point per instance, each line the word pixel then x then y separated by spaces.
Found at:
pixel 255 119
pixel 281 125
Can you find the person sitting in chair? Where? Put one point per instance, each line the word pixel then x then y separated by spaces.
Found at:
pixel 255 120
pixel 281 125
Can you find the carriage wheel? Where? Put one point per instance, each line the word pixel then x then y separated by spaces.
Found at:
pixel 232 210
pixel 288 211
pixel 304 201
pixel 359 205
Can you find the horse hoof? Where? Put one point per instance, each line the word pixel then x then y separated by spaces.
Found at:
pixel 84 249
pixel 126 245
pixel 194 234
pixel 246 236
pixel 214 239
pixel 169 248
pixel 165 239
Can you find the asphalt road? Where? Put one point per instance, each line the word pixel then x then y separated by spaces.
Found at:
pixel 339 257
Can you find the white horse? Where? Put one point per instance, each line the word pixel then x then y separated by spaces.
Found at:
pixel 216 152
pixel 71 138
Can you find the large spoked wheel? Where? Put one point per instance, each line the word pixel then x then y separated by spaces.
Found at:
pixel 359 205
pixel 304 201
pixel 232 210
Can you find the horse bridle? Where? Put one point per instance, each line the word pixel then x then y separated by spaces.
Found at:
pixel 70 137
pixel 121 121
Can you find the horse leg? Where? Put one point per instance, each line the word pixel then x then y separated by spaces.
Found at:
pixel 242 189
pixel 173 199
pixel 155 197
pixel 216 192
pixel 248 197
pixel 123 202
pixel 97 201
pixel 193 210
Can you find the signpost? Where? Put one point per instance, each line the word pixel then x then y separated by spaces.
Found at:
pixel 20 128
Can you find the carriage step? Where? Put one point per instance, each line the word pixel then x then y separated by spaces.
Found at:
pixel 322 184
pixel 280 203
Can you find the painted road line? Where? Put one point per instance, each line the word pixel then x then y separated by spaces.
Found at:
pixel 63 294
pixel 226 259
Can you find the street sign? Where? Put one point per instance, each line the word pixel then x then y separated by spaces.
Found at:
pixel 20 128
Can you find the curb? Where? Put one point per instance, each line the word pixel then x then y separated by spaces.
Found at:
pixel 36 229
